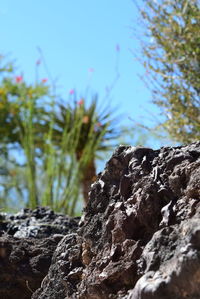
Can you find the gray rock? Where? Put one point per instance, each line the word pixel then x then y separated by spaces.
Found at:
pixel 28 240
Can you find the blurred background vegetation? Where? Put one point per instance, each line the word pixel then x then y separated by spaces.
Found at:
pixel 170 46
pixel 50 146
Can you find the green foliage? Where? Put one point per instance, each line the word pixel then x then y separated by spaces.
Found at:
pixel 93 125
pixel 171 51
pixel 48 146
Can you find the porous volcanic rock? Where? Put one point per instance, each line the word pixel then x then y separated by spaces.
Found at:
pixel 139 237
pixel 28 240
pixel 140 234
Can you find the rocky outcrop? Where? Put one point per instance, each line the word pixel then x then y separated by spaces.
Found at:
pixel 27 243
pixel 139 237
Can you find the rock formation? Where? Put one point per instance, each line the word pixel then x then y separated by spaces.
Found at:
pixel 27 243
pixel 139 237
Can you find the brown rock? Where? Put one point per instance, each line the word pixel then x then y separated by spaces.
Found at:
pixel 139 237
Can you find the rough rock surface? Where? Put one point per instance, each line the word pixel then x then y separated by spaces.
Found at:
pixel 27 243
pixel 140 234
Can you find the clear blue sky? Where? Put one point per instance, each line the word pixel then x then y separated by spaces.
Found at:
pixel 75 37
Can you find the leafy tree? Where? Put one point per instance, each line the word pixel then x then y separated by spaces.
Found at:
pixel 59 143
pixel 15 97
pixel 19 112
pixel 171 55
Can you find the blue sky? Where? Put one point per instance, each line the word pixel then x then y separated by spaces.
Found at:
pixel 78 39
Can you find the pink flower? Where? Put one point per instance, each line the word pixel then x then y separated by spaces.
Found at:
pixel 85 119
pixel 81 102
pixel 117 47
pixel 19 79
pixel 72 91
pixel 91 70
pixel 44 80
pixel 38 62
